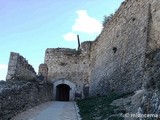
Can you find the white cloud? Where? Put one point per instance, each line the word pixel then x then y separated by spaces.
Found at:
pixel 85 23
pixel 3 67
pixel 3 71
pixel 70 36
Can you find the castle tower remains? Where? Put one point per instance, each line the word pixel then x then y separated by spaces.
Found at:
pixel 43 71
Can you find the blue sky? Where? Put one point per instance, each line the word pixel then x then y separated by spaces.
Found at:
pixel 30 26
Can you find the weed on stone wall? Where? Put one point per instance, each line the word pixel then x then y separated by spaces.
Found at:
pixel 107 19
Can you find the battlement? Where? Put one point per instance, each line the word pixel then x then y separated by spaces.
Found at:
pixel 49 50
pixel 85 47
pixel 60 51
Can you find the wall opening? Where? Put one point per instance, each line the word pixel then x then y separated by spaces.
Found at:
pixel 114 49
pixel 62 85
pixel 62 92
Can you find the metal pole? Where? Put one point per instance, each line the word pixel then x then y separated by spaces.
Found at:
pixel 78 42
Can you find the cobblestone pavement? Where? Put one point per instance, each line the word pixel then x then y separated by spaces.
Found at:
pixel 50 111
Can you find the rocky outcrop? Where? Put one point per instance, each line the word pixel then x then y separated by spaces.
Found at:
pixel 145 102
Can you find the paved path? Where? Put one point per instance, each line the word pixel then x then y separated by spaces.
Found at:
pixel 50 111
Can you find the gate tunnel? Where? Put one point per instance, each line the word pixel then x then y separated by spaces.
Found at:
pixel 62 92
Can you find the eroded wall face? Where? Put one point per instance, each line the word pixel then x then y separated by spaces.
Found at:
pixel 117 60
pixel 19 68
pixel 154 39
pixel 118 56
pixel 68 64
pixel 20 96
pixel 150 103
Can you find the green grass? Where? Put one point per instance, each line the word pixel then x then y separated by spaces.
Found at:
pixel 99 108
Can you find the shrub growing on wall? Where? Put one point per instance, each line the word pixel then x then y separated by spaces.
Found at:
pixel 107 19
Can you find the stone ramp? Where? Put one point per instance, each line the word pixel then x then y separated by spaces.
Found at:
pixel 50 111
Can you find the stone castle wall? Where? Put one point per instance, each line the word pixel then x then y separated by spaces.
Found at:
pixel 43 71
pixel 68 64
pixel 116 61
pixel 19 96
pixel 19 68
pixel 154 32
pixel 124 58
pixel 118 56
pixel 150 101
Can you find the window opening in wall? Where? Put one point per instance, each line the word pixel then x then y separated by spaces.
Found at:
pixel 133 19
pixel 114 49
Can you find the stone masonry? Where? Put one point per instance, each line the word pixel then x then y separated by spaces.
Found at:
pixel 115 61
pixel 19 68
pixel 69 65
pixel 134 32
pixel 17 96
pixel 22 88
pixel 124 58
pixel 43 71
pixel 121 70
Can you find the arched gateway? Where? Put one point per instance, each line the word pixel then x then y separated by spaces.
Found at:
pixel 63 90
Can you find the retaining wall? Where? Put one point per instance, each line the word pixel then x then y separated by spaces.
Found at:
pixel 18 96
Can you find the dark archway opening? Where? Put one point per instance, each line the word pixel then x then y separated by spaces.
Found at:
pixel 62 92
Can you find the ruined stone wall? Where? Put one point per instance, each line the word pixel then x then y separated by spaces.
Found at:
pixel 116 61
pixel 150 102
pixel 118 55
pixel 18 96
pixel 68 64
pixel 43 71
pixel 154 38
pixel 19 68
